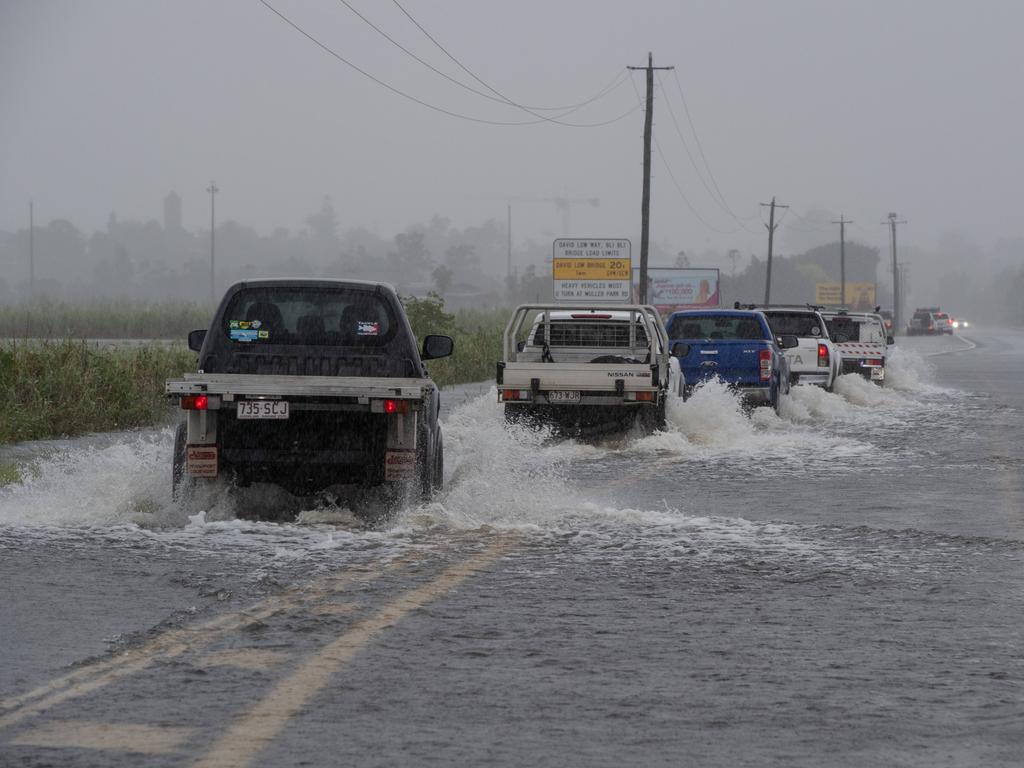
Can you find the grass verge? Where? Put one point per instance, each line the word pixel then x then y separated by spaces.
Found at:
pixel 65 388
pixel 9 474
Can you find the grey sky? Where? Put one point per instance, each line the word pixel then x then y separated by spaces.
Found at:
pixel 859 107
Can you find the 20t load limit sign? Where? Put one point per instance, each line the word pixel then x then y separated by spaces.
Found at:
pixel 592 269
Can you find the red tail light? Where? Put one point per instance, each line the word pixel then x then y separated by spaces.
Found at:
pixel 823 359
pixel 195 402
pixel 396 406
pixel 874 362
pixel 765 356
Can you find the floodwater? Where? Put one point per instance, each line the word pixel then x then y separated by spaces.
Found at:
pixel 838 585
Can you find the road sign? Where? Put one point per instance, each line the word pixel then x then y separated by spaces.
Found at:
pixel 592 269
pixel 860 296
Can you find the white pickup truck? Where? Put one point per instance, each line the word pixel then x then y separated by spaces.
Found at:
pixel 815 359
pixel 861 341
pixel 587 369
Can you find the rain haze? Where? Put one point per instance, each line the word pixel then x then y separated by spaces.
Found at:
pixel 335 427
pixel 858 109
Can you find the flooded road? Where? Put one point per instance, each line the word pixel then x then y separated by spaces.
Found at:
pixel 840 585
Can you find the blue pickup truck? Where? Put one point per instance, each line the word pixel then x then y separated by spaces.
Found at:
pixel 736 346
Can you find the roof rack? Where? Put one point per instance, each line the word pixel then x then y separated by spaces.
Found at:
pixel 815 307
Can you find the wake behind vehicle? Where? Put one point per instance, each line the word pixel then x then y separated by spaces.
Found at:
pixel 308 384
pixel 736 346
pixel 814 360
pixel 861 342
pixel 586 369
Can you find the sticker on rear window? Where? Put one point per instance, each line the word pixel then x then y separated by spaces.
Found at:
pixel 367 329
pixel 244 334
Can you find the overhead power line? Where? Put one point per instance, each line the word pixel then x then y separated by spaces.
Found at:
pixel 326 48
pixel 493 90
pixel 675 181
pixel 566 111
pixel 716 193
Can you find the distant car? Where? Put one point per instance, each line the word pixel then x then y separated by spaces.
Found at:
pixel 943 323
pixel 736 346
pixel 929 321
pixel 959 323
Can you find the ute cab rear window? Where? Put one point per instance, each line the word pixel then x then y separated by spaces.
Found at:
pixel 801 324
pixel 865 330
pixel 716 327
pixel 309 316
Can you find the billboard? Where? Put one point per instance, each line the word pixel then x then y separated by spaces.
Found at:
pixel 671 289
pixel 591 269
pixel 859 296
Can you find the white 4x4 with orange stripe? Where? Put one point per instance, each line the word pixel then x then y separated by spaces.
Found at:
pixel 861 340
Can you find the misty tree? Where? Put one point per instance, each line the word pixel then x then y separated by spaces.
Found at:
pixel 410 260
pixel 442 277
pixel 323 225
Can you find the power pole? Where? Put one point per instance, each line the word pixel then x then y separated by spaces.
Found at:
pixel 645 205
pixel 213 190
pixel 772 226
pixel 31 252
pixel 897 313
pixel 508 259
pixel 842 258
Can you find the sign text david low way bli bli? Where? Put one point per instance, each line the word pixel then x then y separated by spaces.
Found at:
pixel 591 269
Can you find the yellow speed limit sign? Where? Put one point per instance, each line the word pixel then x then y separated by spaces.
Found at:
pixel 589 268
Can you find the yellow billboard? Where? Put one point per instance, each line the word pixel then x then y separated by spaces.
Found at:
pixel 858 295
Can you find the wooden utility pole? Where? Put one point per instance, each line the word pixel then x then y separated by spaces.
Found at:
pixel 772 226
pixel 508 258
pixel 31 251
pixel 842 258
pixel 897 312
pixel 645 204
pixel 213 190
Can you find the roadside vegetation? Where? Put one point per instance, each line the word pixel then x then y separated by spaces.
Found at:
pixel 109 319
pixel 57 386
pixel 477 335
pixel 64 388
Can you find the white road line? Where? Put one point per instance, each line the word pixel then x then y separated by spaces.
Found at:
pixel 244 740
pixel 970 345
pixel 116 737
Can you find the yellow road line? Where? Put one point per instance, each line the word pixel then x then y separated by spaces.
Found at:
pixel 119 737
pixel 261 725
pixel 172 643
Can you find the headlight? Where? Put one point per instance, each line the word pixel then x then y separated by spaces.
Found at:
pixel 956 323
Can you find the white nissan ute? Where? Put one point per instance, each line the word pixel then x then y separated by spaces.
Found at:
pixel 815 360
pixel 587 369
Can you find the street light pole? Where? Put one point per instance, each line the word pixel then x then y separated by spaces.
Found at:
pixel 213 190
